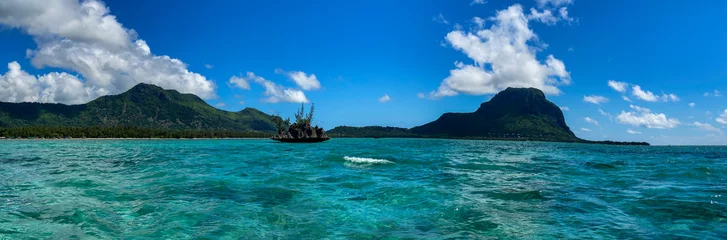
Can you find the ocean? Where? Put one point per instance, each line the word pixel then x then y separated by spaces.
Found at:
pixel 359 189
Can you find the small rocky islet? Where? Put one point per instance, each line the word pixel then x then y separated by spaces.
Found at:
pixel 301 131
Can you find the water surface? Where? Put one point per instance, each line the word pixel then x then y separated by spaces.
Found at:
pixel 359 188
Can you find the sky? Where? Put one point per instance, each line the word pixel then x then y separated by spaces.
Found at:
pixel 652 71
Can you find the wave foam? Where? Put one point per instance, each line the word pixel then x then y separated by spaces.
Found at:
pixel 367 160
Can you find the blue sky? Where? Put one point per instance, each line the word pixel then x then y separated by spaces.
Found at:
pixel 360 51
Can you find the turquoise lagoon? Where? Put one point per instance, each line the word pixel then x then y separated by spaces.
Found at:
pixel 359 189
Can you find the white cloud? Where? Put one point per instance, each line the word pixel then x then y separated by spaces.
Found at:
pixel 275 92
pixel 644 117
pixel 474 2
pixel 632 131
pixel 553 3
pixel 625 98
pixel 239 82
pixel 650 96
pixel 19 86
pixel 585 129
pixel 208 66
pixel 440 19
pixel 669 97
pixel 479 22
pixel 618 86
pixel 421 95
pixel 590 120
pixel 220 104
pixel 604 113
pixel 595 99
pixel 707 127
pixel 564 14
pixel 84 38
pixel 303 80
pixel 385 98
pixel 639 109
pixel 502 58
pixel 722 118
pixel 565 108
pixel 545 16
pixel 691 105
pixel 644 95
pixel 715 93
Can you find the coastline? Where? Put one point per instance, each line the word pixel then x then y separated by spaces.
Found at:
pixel 613 143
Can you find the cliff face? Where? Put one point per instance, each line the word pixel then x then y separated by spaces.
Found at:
pixel 512 113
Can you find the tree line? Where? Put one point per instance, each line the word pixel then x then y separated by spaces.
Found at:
pixel 122 132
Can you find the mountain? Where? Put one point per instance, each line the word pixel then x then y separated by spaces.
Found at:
pixel 513 114
pixel 143 106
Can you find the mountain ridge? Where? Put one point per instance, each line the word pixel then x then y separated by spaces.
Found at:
pixel 144 106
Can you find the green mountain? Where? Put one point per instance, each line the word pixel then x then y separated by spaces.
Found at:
pixel 143 106
pixel 513 114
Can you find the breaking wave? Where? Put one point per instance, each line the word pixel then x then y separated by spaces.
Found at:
pixel 367 160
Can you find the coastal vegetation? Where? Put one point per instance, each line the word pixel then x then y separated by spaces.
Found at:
pixel 301 130
pixel 44 132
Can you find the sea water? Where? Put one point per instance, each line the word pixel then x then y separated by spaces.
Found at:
pixel 359 189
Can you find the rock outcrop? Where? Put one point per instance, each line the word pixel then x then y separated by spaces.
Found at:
pixel 302 132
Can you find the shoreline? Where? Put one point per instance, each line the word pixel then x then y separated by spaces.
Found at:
pixel 31 139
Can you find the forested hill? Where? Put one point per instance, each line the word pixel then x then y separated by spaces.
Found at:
pixel 144 106
pixel 513 114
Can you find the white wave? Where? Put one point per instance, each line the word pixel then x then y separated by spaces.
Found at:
pixel 367 160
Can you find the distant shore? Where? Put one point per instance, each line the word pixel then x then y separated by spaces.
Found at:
pixel 30 139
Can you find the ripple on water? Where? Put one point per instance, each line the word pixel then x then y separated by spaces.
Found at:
pixel 384 189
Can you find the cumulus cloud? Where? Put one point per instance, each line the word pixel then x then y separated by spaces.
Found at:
pixel 546 16
pixel 644 95
pixel 503 57
pixel 276 93
pixel 651 97
pixel 239 82
pixel 691 105
pixel 591 121
pixel 19 86
pixel 595 99
pixel 553 3
pixel 585 129
pixel 85 38
pixel 479 22
pixel 645 118
pixel 706 127
pixel 385 98
pixel 303 80
pixel 632 131
pixel 722 118
pixel 714 93
pixel 618 86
